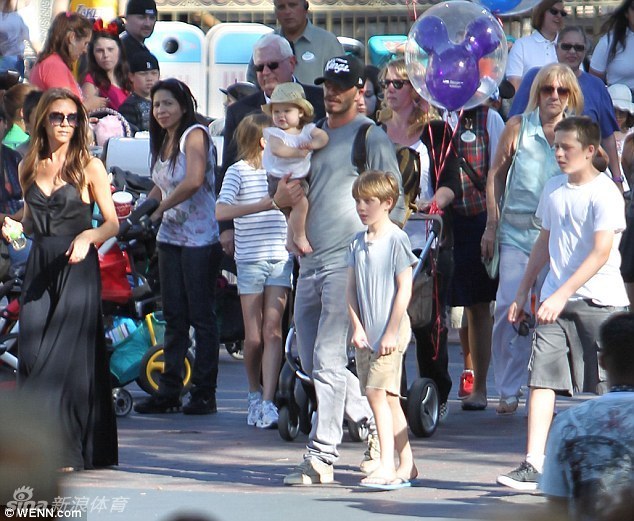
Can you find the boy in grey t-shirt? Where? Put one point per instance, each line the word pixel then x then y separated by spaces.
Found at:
pixel 379 289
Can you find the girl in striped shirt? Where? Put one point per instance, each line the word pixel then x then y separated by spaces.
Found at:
pixel 263 263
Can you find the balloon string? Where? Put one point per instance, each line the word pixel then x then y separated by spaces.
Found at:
pixel 412 11
pixel 445 150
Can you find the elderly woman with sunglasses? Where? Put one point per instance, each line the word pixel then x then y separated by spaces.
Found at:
pixel 538 48
pixel 410 122
pixel 523 163
pixel 614 52
pixel 572 46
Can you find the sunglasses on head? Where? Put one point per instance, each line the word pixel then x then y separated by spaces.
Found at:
pixel 57 118
pixel 556 12
pixel 271 65
pixel 548 90
pixel 397 84
pixel 578 47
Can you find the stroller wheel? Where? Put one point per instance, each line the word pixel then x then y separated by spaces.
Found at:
pixel 235 349
pixel 152 365
pixel 122 400
pixel 287 424
pixel 358 430
pixel 422 408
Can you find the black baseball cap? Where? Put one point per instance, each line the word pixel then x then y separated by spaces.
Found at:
pixel 143 61
pixel 141 7
pixel 239 90
pixel 346 71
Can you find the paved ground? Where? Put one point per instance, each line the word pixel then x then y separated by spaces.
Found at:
pixel 219 466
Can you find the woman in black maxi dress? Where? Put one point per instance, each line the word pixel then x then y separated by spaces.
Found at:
pixel 62 353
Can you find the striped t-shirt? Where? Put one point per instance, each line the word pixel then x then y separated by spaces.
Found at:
pixel 258 236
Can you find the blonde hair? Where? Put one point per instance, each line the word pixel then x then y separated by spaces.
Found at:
pixel 78 155
pixel 248 135
pixel 565 77
pixel 374 183
pixel 418 118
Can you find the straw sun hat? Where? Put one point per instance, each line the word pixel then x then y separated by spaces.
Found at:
pixel 292 93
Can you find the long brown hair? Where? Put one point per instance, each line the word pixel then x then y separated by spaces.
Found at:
pixel 58 38
pixel 248 135
pixel 77 157
pixel 121 69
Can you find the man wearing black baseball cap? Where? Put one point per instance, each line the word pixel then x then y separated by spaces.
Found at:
pixel 321 318
pixel 140 18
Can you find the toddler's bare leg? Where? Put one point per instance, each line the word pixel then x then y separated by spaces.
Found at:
pixel 297 225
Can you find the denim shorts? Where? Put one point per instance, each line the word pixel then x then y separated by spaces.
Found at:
pixel 254 276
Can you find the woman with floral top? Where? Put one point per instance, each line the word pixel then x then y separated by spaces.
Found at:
pixel 189 252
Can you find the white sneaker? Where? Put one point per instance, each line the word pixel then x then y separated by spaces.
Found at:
pixel 255 408
pixel 269 417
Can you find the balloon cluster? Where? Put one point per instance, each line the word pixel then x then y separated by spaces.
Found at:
pixel 456 55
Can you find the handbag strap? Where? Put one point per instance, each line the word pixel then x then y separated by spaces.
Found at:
pixel 511 169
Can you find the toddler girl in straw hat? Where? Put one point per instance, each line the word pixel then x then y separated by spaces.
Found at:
pixel 288 148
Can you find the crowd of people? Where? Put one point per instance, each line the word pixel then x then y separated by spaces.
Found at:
pixel 531 200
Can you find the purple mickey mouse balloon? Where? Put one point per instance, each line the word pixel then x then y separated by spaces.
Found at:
pixel 455 55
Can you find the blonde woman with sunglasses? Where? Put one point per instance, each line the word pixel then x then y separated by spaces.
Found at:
pixel 524 161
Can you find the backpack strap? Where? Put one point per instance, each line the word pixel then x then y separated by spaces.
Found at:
pixel 359 147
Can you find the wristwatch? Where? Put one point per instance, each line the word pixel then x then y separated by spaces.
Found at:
pixel 274 204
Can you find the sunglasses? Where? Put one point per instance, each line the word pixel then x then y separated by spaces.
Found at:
pixel 271 65
pixel 548 90
pixel 556 12
pixel 525 326
pixel 397 84
pixel 578 47
pixel 57 118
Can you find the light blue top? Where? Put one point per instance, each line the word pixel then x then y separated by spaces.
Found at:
pixel 533 165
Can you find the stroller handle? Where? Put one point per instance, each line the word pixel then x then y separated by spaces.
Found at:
pixel 140 214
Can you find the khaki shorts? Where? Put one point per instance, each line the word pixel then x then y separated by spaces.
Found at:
pixel 384 372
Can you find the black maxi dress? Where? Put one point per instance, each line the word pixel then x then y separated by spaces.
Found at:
pixel 62 352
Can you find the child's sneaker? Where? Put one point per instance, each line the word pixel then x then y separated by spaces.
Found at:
pixel 466 384
pixel 255 408
pixel 269 417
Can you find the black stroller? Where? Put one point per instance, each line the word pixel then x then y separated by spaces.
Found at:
pixel 296 394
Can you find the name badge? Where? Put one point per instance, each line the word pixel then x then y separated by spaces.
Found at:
pixel 308 56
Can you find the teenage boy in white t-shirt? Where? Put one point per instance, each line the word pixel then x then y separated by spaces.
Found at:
pixel 582 214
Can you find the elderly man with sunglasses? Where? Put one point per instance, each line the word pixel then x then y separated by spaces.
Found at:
pixel 313 46
pixel 572 47
pixel 274 64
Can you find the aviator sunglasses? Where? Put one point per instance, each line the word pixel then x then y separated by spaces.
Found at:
pixel 548 90
pixel 397 84
pixel 578 47
pixel 556 12
pixel 271 65
pixel 57 118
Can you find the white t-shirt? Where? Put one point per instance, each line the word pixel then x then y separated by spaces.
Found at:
pixel 572 214
pixel 589 453
pixel 530 51
pixel 282 166
pixel 258 236
pixel 620 69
